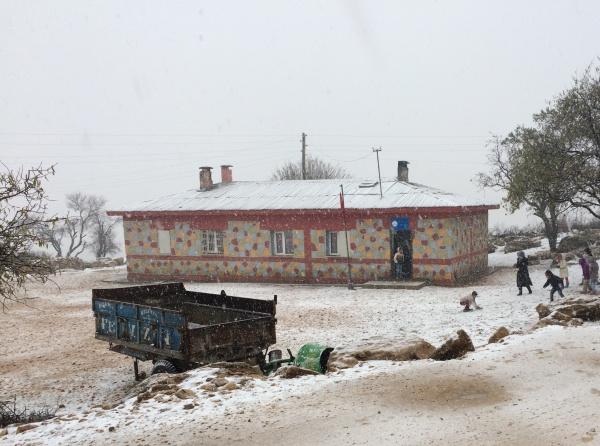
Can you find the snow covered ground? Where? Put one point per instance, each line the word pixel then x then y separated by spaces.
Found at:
pixel 91 374
pixel 535 389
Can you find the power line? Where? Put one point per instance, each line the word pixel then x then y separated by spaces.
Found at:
pixel 342 135
pixel 86 134
pixel 345 161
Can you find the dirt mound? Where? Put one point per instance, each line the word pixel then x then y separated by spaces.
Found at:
pixel 542 310
pixel 570 312
pixel 151 385
pixel 386 351
pixel 292 371
pixel 236 369
pixel 501 333
pixel 454 348
pixel 163 385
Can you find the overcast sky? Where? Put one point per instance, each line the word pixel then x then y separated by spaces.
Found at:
pixel 128 98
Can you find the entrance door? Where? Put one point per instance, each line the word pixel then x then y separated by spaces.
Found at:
pixel 402 239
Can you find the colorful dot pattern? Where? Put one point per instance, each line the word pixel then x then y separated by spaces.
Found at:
pixel 434 238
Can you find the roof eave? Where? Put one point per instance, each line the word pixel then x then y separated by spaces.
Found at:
pixel 435 209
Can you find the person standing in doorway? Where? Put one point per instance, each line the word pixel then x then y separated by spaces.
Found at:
pixel 398 262
pixel 523 279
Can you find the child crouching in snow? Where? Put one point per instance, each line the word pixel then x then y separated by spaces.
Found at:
pixel 469 301
pixel 555 282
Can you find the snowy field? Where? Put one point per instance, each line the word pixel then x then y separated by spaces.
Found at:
pixel 535 389
pixel 55 358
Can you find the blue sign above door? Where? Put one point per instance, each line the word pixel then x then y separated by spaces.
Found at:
pixel 400 223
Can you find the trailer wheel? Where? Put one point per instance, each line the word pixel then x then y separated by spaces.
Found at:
pixel 163 366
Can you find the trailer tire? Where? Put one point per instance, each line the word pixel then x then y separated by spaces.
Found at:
pixel 163 366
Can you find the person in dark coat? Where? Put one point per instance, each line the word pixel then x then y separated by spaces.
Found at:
pixel 556 283
pixel 523 279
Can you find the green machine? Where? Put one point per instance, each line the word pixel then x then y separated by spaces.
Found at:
pixel 311 356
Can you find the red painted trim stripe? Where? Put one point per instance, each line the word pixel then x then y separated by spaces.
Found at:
pixel 255 279
pixel 221 278
pixel 281 259
pixel 344 261
pixel 284 259
pixel 216 258
pixel 364 213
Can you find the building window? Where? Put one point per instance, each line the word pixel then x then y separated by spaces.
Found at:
pixel 164 241
pixel 332 243
pixel 283 242
pixel 212 242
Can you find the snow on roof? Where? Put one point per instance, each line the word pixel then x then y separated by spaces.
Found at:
pixel 306 194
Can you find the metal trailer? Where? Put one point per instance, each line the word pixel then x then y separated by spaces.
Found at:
pixel 179 329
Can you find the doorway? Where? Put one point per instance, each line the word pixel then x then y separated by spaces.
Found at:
pixel 403 239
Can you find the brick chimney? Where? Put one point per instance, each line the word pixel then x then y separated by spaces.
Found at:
pixel 403 171
pixel 205 178
pixel 226 174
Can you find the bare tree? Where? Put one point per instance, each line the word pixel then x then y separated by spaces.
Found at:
pixel 22 211
pixel 103 237
pixel 53 234
pixel 316 169
pixel 83 210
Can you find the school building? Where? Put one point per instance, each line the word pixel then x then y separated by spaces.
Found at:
pixel 295 231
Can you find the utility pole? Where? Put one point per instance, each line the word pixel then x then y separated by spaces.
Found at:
pixel 343 208
pixel 303 156
pixel 379 170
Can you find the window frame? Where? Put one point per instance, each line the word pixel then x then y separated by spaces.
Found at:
pixel 328 245
pixel 214 238
pixel 287 243
pixel 162 235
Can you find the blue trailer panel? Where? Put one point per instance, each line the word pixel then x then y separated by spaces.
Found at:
pixel 139 324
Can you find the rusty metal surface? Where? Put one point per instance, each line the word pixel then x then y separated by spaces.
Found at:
pixel 167 321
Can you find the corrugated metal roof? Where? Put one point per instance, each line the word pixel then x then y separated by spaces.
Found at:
pixel 307 194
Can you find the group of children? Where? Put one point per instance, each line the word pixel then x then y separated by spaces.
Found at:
pixel 589 267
